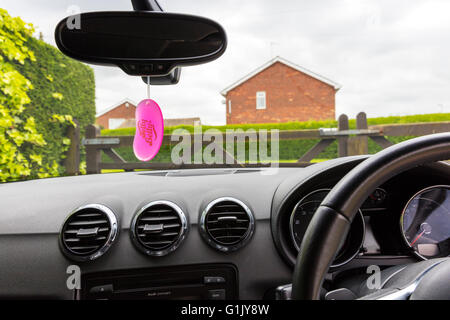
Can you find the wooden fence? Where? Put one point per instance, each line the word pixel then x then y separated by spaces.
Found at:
pixel 350 142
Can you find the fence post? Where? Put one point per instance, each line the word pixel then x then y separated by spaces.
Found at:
pixel 93 153
pixel 342 141
pixel 358 145
pixel 72 161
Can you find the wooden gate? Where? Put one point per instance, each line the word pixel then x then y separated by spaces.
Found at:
pixel 350 142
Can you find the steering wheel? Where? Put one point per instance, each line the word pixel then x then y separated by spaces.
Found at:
pixel 331 222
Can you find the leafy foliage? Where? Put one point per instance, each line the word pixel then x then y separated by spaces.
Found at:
pixel 38 87
pixel 15 132
pixel 62 86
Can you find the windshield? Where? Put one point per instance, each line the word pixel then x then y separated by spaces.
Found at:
pixel 300 82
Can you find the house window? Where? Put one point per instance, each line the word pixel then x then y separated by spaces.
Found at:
pixel 260 100
pixel 229 106
pixel 114 123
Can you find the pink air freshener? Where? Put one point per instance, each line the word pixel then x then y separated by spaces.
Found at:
pixel 149 130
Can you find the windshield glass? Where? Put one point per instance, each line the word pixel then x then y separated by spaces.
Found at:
pixel 300 82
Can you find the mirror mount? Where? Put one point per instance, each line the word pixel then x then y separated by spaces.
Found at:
pixel 174 76
pixel 146 5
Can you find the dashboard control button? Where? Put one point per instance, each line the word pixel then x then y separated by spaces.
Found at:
pixel 211 280
pixel 104 290
pixel 216 294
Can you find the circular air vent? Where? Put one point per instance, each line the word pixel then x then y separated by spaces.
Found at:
pixel 88 232
pixel 159 228
pixel 227 224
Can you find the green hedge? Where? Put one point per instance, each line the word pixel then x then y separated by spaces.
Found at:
pixel 433 117
pixel 289 149
pixel 41 91
pixel 61 86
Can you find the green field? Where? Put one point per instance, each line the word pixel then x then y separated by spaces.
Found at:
pixel 290 150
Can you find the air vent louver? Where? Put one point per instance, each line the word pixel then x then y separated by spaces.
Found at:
pixel 227 224
pixel 88 232
pixel 159 228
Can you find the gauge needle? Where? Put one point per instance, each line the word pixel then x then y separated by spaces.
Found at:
pixel 417 238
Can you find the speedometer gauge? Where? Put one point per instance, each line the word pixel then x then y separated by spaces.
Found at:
pixel 301 217
pixel 425 222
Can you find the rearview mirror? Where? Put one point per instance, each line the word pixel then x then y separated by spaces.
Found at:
pixel 141 43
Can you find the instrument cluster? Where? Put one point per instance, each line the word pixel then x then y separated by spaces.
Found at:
pixel 424 221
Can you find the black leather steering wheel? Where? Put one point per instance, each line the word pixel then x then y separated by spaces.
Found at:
pixel 331 222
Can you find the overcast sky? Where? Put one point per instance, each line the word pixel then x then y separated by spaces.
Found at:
pixel 392 57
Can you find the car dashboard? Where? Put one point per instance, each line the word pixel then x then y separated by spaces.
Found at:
pixel 192 234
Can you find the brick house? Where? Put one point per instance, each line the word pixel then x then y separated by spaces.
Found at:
pixel 280 91
pixel 116 115
pixel 122 115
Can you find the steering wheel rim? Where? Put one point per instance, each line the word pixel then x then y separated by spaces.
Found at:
pixel 331 222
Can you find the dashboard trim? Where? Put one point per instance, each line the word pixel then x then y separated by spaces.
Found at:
pixel 405 292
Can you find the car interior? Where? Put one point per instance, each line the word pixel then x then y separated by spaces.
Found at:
pixel 369 227
pixel 225 233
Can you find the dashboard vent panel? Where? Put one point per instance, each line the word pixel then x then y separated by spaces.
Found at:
pixel 88 232
pixel 159 227
pixel 227 224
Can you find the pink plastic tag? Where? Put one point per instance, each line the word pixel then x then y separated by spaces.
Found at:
pixel 149 130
